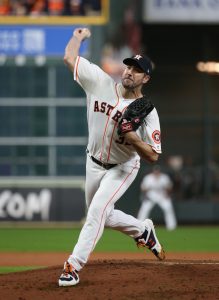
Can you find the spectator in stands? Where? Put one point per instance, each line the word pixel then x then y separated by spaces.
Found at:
pixel 112 56
pixel 4 7
pixel 39 8
pixel 56 7
pixel 92 7
pixel 18 8
pixel 126 42
pixel 75 8
pixel 132 31
pixel 50 7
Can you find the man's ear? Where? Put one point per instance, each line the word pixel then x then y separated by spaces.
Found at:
pixel 146 78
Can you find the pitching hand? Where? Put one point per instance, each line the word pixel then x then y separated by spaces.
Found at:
pixel 82 34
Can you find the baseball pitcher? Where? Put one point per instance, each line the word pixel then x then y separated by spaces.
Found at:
pixel 123 127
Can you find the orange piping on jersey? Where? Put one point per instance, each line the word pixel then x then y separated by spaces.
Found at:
pixel 117 94
pixel 108 156
pixel 108 122
pixel 111 141
pixel 104 137
pixel 76 70
pixel 112 136
pixel 109 203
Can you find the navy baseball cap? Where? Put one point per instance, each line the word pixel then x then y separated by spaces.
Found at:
pixel 141 61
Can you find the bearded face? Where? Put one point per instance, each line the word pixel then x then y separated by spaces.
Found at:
pixel 133 78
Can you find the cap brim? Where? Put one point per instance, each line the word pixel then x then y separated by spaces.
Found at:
pixel 132 62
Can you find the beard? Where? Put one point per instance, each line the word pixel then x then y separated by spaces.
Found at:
pixel 128 83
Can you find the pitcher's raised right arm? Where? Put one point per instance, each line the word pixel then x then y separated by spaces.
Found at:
pixel 73 46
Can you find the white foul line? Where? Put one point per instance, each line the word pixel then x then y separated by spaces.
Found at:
pixel 190 263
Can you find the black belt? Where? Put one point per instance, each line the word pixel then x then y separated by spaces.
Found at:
pixel 105 166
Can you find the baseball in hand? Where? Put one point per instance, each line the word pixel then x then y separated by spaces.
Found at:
pixel 87 33
pixel 82 33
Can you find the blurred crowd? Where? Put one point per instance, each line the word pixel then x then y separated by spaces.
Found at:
pixel 50 7
pixel 189 179
pixel 125 41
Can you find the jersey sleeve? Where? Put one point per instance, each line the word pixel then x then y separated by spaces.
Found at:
pixel 90 77
pixel 151 131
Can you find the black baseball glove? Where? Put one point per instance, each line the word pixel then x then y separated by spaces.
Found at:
pixel 134 115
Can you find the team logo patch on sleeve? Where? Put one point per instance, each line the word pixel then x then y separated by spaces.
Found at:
pixel 156 136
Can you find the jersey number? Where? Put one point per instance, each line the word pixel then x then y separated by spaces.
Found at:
pixel 121 140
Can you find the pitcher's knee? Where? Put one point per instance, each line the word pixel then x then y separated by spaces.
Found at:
pixel 98 211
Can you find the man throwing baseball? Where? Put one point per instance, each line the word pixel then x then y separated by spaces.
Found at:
pixel 118 138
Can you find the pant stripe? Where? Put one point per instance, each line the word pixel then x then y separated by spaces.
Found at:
pixel 109 203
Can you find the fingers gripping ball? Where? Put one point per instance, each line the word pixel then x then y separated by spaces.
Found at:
pixel 134 115
pixel 82 33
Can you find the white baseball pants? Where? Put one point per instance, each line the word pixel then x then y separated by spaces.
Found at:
pixel 103 189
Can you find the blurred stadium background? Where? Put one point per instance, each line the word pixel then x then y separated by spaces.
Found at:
pixel 43 130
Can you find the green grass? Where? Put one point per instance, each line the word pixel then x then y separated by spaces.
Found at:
pixel 190 239
pixel 17 269
pixel 183 239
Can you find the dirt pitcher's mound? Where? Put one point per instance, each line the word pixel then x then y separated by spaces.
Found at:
pixel 119 280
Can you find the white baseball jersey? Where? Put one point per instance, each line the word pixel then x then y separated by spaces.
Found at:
pixel 156 186
pixel 105 105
